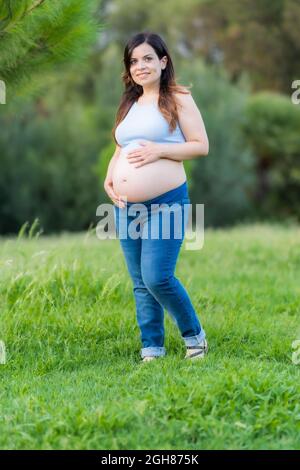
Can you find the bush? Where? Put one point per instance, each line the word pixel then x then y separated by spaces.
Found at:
pixel 272 129
pixel 48 168
pixel 224 179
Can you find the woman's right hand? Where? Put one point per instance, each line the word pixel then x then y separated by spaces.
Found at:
pixel 109 189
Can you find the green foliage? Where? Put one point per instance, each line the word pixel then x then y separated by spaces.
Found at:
pixel 271 127
pixel 222 180
pixel 38 36
pixel 252 36
pixel 245 174
pixel 47 159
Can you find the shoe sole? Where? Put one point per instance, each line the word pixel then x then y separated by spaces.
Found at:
pixel 150 358
pixel 199 354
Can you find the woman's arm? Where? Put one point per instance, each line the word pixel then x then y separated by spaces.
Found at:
pixel 193 128
pixel 108 182
pixel 112 163
pixel 184 151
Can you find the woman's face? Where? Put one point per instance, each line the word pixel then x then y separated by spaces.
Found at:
pixel 144 60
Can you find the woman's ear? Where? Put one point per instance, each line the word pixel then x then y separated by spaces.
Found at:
pixel 165 59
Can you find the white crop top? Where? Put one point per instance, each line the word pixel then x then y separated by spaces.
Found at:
pixel 146 122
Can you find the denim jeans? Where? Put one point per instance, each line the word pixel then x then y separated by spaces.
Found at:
pixel 151 252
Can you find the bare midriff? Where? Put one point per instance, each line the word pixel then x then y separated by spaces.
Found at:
pixel 147 181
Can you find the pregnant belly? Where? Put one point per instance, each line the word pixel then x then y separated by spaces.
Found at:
pixel 148 181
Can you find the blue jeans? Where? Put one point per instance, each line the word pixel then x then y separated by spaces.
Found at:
pixel 151 259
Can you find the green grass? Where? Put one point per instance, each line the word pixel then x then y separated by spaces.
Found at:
pixel 73 377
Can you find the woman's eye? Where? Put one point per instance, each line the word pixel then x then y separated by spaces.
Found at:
pixel 147 58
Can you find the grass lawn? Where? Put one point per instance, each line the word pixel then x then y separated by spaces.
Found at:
pixel 73 378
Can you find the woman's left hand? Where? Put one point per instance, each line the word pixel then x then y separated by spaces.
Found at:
pixel 150 152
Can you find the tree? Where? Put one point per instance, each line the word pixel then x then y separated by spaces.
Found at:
pixel 271 127
pixel 260 37
pixel 38 37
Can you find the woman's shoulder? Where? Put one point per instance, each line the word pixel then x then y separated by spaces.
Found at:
pixel 181 89
pixel 182 95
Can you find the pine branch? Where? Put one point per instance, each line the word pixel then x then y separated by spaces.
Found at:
pixel 35 5
pixel 9 13
pixel 60 33
pixel 27 11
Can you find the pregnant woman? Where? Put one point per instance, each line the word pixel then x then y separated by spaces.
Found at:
pixel 158 125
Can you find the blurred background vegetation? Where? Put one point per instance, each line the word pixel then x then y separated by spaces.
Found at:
pixel 61 61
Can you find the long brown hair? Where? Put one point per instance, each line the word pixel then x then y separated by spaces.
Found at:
pixel 166 102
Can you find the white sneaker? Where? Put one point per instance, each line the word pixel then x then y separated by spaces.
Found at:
pixel 197 352
pixel 149 358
